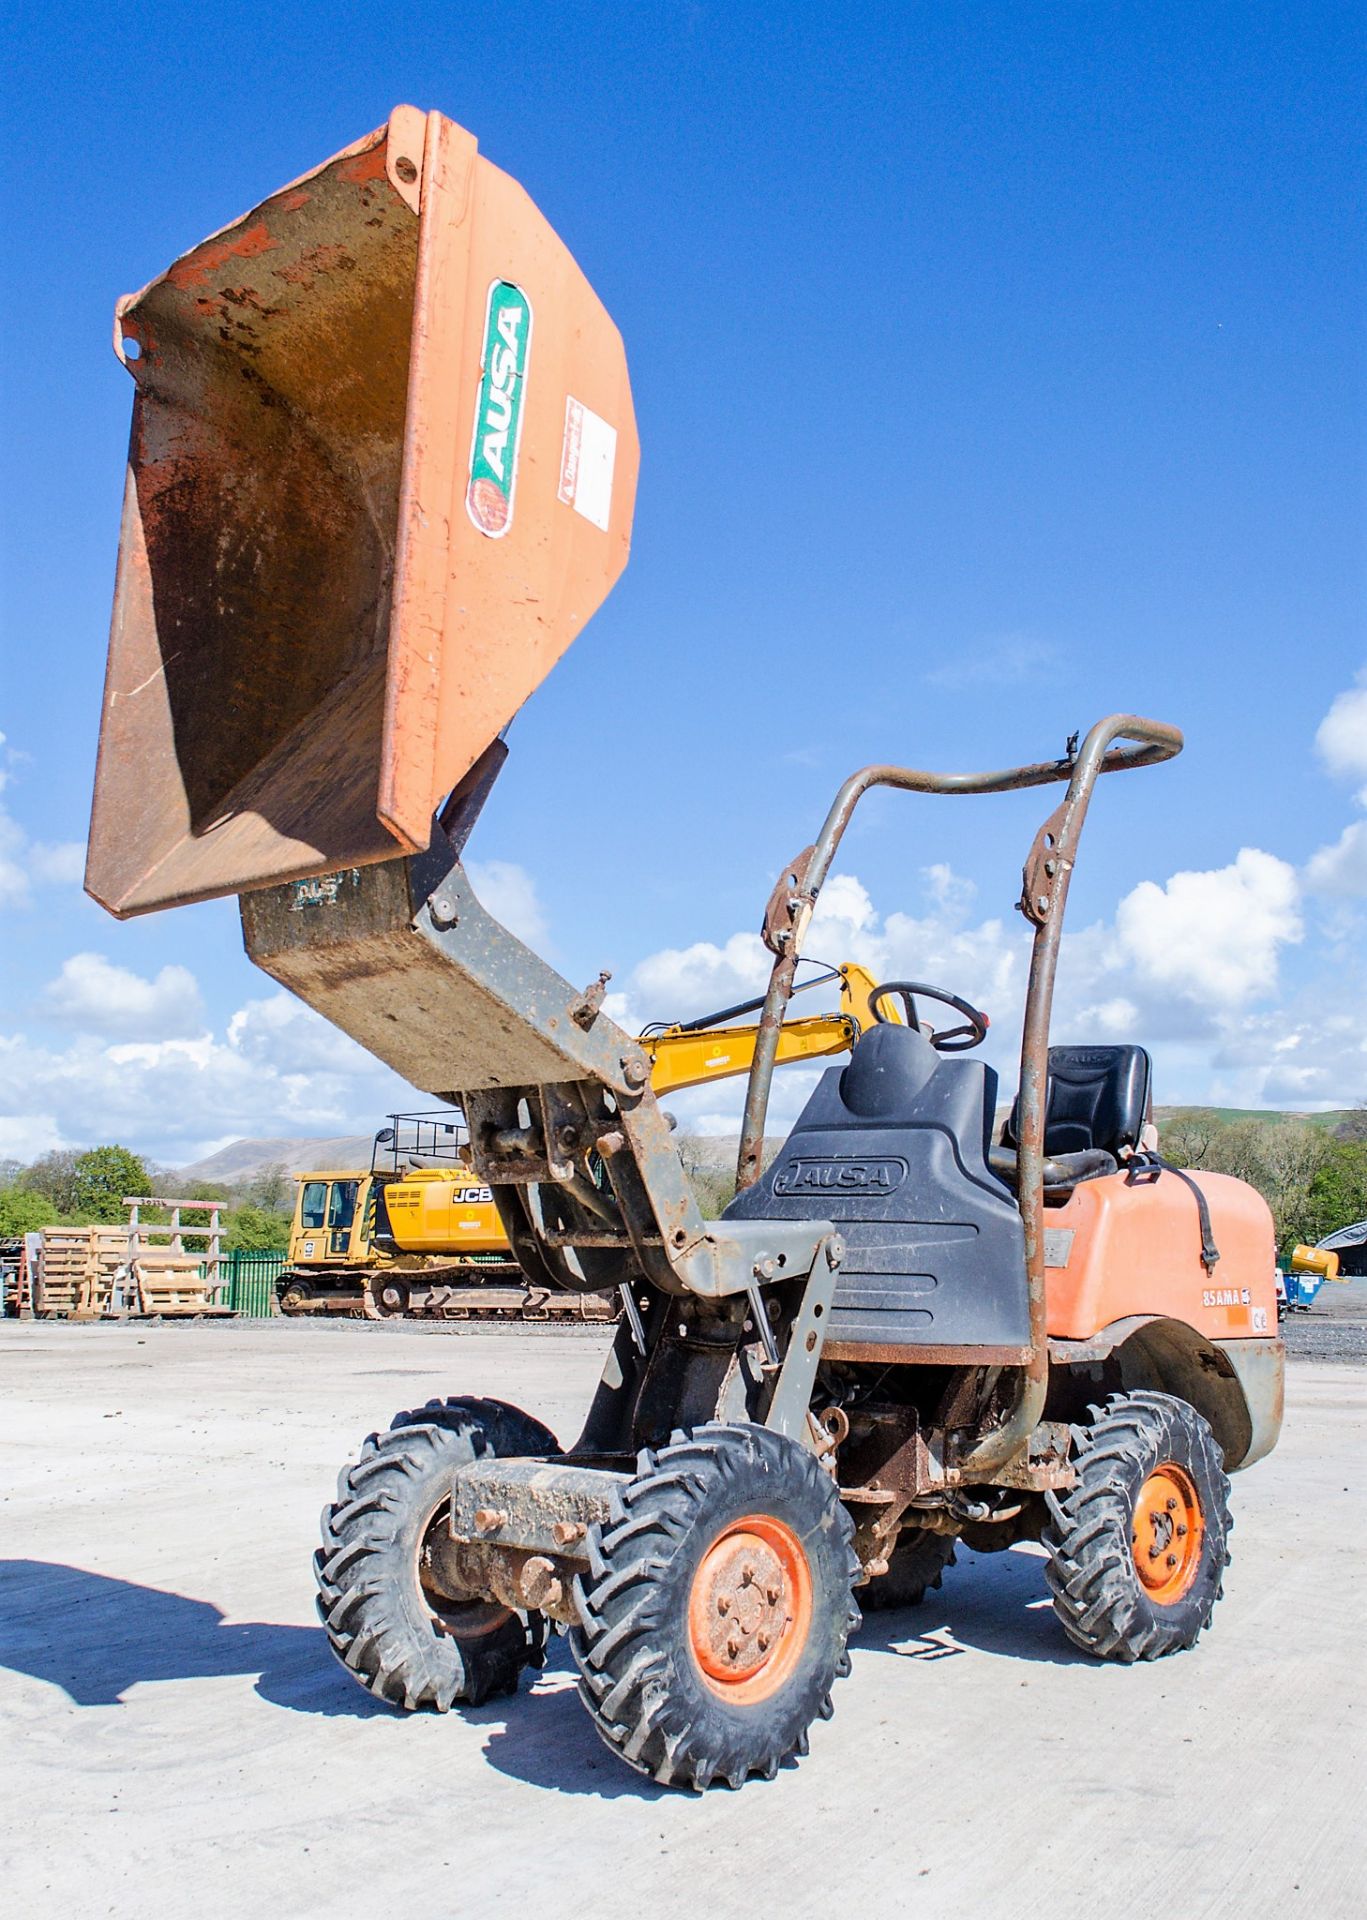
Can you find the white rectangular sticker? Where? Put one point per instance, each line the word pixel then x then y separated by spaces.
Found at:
pixel 586 463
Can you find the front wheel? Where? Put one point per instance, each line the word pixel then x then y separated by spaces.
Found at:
pixel 716 1607
pixel 1138 1547
pixel 397 1631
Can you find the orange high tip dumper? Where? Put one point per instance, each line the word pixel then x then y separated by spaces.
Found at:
pixel 381 473
pixel 382 470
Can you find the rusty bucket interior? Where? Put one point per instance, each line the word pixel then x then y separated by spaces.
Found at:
pixel 382 470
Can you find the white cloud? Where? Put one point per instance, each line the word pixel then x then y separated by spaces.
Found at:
pixel 174 1099
pixel 1008 660
pixel 24 862
pixel 282 1034
pixel 1341 870
pixel 508 892
pixel 679 983
pixel 1342 737
pixel 1213 937
pixel 15 890
pixel 60 863
pixel 92 995
pixel 1117 1019
pixel 1187 968
pixel 1308 1052
pixel 24 1136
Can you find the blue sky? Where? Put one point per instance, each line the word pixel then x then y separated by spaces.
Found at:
pixel 995 365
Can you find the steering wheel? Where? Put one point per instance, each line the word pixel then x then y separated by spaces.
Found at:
pixel 953 1039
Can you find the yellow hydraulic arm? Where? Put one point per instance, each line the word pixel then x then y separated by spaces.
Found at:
pixel 689 1056
pixel 443 1211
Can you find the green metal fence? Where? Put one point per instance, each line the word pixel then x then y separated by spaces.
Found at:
pixel 250 1279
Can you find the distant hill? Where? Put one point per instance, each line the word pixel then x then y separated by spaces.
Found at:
pixel 242 1159
pixel 1332 1118
pixel 710 1153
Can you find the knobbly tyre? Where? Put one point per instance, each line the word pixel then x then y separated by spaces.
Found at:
pixel 361 523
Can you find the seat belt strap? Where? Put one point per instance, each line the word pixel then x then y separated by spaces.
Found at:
pixel 1144 1168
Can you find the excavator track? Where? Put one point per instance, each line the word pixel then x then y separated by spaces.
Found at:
pixel 387 1295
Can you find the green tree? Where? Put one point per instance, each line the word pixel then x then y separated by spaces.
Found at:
pixel 1187 1137
pixel 256 1230
pixel 1291 1156
pixel 22 1211
pixel 1338 1193
pixel 270 1188
pixel 54 1175
pixel 104 1177
pixel 1237 1149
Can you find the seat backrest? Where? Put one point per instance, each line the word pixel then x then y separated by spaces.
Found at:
pixel 1098 1097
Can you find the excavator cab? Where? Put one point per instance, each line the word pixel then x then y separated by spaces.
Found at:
pixel 326 1216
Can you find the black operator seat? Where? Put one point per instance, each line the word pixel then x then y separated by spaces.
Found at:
pixel 893 1149
pixel 1098 1104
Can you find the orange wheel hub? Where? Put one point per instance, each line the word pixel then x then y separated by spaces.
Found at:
pixel 1166 1534
pixel 750 1609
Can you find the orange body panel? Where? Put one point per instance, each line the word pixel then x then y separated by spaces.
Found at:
pixel 382 471
pixel 1137 1249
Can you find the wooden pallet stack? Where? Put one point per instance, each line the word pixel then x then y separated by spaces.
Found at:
pixel 78 1268
pixel 169 1280
pixel 89 1273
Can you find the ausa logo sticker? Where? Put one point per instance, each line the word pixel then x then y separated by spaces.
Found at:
pixel 498 410
pixel 872 1177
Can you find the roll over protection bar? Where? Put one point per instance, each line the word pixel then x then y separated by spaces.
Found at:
pixel 1044 895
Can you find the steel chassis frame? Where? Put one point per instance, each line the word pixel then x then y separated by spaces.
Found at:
pixel 402 956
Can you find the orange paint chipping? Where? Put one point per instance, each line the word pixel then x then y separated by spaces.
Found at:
pixel 750 1609
pixel 245 244
pixel 1167 1534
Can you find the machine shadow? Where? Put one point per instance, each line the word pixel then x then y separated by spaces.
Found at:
pixel 545 1738
pixel 95 1637
pixel 995 1603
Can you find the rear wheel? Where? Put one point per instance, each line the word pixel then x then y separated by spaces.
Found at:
pixel 399 1634
pixel 916 1564
pixel 1138 1548
pixel 716 1607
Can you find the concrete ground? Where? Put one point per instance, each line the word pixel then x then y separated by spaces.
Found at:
pixel 175 1736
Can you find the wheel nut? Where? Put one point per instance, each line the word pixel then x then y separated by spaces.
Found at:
pixel 1181 1530
pixel 763 1640
pixel 773 1594
pixel 733 1645
pixel 723 1604
pixel 1172 1504
pixel 1172 1560
pixel 747 1575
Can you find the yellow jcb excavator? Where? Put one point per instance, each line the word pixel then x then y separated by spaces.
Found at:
pixel 416 1234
